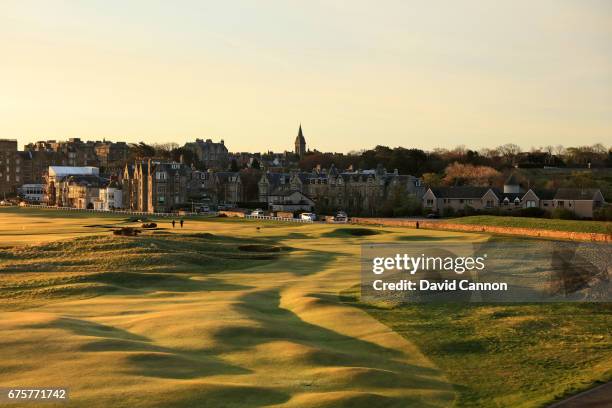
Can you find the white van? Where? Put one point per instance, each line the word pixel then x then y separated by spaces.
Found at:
pixel 308 216
pixel 341 217
pixel 258 212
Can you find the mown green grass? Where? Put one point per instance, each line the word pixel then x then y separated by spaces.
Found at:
pixel 524 355
pixel 600 227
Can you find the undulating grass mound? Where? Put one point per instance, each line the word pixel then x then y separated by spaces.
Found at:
pixel 219 313
pixel 184 318
pixel 97 265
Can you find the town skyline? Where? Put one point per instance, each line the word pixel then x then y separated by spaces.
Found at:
pixel 396 73
pixel 289 147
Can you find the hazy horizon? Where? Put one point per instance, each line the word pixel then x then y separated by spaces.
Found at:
pixel 396 73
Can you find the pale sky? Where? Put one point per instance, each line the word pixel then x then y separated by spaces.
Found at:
pixel 355 73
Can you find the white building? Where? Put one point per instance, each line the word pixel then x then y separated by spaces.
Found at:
pixel 32 193
pixel 57 172
pixel 110 198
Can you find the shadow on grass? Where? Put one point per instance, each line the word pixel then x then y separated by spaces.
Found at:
pixel 352 232
pixel 301 263
pixel 145 358
pixel 424 238
pixel 369 364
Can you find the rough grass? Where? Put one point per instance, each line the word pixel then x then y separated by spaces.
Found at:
pixel 601 227
pixel 508 355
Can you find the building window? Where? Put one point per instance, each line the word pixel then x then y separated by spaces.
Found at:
pixel 517 202
pixel 560 204
pixel 489 203
pixel 429 203
pixel 531 203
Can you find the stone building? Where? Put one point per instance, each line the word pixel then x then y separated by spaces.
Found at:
pixel 135 184
pixel 57 185
pixel 77 152
pixel 214 187
pixel 154 186
pixel 10 168
pixel 228 187
pixel 35 164
pixel 79 191
pixel 212 155
pixel 444 200
pixel 359 192
pixel 112 156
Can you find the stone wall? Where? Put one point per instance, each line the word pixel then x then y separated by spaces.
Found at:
pixel 447 226
pixel 239 214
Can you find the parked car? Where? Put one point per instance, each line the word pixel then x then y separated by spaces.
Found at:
pixel 225 207
pixel 258 212
pixel 341 217
pixel 308 216
pixel 432 215
pixel 204 209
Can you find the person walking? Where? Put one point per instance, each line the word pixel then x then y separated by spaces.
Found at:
pixel 173 223
pixel 182 223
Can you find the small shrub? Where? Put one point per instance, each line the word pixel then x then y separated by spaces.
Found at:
pixel 449 212
pixel 563 214
pixel 603 214
pixel 534 212
pixel 127 231
pixel 469 210
pixel 259 248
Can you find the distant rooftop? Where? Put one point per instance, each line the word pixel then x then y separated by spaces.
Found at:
pixel 70 171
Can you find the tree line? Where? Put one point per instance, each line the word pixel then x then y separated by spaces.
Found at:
pixel 418 162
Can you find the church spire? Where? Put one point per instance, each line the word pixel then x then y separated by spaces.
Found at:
pixel 300 143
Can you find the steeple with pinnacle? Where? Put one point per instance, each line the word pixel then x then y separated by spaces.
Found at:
pixel 300 143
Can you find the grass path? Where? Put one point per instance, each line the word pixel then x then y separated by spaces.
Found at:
pixel 190 321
